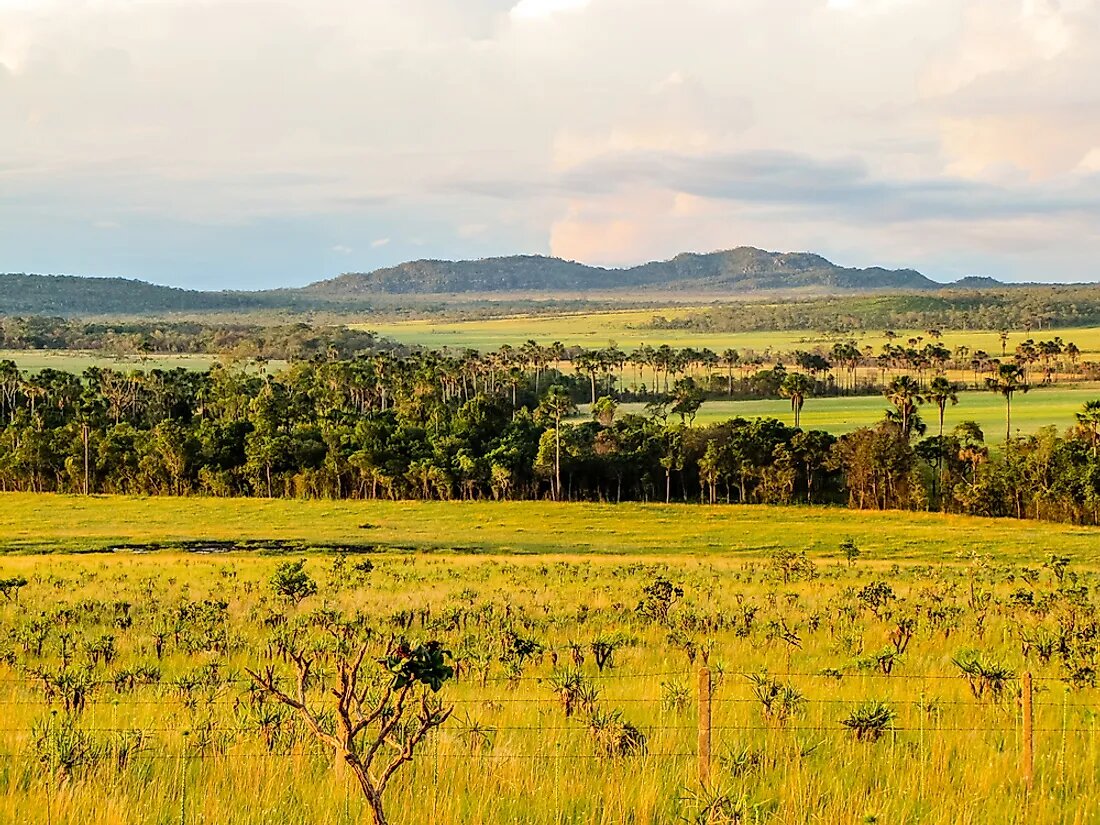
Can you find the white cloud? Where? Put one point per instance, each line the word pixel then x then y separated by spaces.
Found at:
pixel 478 127
pixel 378 243
pixel 534 9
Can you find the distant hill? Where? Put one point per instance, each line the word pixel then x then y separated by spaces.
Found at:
pixel 732 273
pixel 744 269
pixel 22 294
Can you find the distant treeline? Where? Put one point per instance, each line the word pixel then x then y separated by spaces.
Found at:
pixel 432 426
pixel 286 342
pixel 1018 308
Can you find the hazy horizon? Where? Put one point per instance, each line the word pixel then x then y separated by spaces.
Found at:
pixel 251 144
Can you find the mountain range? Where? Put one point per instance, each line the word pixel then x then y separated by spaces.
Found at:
pixel 730 273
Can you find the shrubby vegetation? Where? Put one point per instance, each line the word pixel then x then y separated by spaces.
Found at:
pixel 1024 308
pixel 238 340
pixel 433 426
pixel 451 689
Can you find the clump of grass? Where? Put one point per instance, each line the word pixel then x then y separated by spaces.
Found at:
pixel 869 720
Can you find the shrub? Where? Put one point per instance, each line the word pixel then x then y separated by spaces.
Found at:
pixel 987 678
pixel 292 582
pixel 62 748
pixel 657 599
pixel 779 701
pixel 869 720
pixel 614 736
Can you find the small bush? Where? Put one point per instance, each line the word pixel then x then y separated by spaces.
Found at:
pixel 870 720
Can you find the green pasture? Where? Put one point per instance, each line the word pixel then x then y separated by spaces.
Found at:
pixel 1039 408
pixel 191 745
pixel 43 523
pixel 628 329
pixel 73 361
pixel 78 361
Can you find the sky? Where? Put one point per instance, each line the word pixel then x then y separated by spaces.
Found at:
pixel 262 143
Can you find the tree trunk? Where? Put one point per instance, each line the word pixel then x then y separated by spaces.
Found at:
pixel 87 473
pixel 374 799
pixel 557 460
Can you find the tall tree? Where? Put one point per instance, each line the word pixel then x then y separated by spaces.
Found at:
pixel 557 405
pixel 942 392
pixel 796 386
pixel 729 359
pixel 903 392
pixel 1008 381
pixel 1089 419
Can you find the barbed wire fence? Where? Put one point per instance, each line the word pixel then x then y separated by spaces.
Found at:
pixel 714 703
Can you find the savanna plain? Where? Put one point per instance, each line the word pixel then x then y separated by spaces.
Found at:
pixel 863 667
pixel 216 659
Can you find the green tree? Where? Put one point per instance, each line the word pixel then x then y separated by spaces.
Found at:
pixel 1089 419
pixel 904 393
pixel 796 386
pixel 687 398
pixel 942 392
pixel 292 582
pixel 1008 381
pixel 604 411
pixel 557 405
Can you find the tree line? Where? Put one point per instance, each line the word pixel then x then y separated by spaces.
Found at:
pixel 1021 308
pixel 233 340
pixel 428 426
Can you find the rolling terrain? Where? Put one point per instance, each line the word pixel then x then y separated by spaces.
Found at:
pixel 741 271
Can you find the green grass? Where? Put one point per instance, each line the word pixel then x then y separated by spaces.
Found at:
pixel 628 329
pixel 949 757
pixel 1040 408
pixel 77 361
pixel 72 361
pixel 71 523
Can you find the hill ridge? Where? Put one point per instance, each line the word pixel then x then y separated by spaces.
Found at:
pixel 732 272
pixel 741 269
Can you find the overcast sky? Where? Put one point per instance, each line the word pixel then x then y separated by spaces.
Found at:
pixel 254 143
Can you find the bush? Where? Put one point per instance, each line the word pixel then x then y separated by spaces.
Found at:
pixel 869 720
pixel 292 582
pixel 614 736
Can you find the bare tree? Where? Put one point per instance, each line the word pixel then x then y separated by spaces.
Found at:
pixel 373 722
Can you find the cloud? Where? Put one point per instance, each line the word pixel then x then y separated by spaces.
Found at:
pixel 378 243
pixel 534 9
pixel 908 132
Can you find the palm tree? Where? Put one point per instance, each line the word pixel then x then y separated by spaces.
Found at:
pixel 730 357
pixel 1089 418
pixel 904 393
pixel 796 386
pixel 942 392
pixel 1008 381
pixel 557 405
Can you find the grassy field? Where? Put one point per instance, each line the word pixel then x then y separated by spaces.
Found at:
pixel 69 523
pixel 1040 408
pixel 170 731
pixel 71 361
pixel 628 330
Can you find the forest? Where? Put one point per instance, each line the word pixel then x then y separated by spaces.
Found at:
pixel 233 340
pixel 429 425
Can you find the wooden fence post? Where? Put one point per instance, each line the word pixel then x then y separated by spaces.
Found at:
pixel 704 726
pixel 1027 756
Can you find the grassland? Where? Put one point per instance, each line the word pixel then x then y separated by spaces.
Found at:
pixel 36 523
pixel 629 329
pixel 188 743
pixel 1043 407
pixel 73 361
